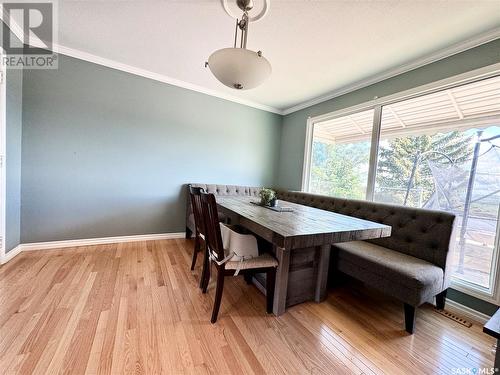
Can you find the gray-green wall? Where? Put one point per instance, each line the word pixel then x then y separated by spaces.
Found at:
pixel 106 153
pixel 294 125
pixel 14 103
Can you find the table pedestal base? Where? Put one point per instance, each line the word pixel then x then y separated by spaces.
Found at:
pixel 301 276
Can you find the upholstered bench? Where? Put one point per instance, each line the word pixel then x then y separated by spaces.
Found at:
pixel 413 265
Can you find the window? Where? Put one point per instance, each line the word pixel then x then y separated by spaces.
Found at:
pixel 440 151
pixel 340 156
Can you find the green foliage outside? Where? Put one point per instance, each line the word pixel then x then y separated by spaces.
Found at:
pixel 400 156
pixel 341 169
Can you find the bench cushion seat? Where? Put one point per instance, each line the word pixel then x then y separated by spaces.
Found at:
pixel 403 276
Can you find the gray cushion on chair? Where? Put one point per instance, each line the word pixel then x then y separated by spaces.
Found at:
pixel 262 261
pixel 403 276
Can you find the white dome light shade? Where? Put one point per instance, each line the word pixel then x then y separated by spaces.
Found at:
pixel 239 68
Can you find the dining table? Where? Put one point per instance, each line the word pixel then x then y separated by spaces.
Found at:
pixel 492 328
pixel 301 239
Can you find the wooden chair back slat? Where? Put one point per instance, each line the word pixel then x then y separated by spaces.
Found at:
pixel 199 222
pixel 213 237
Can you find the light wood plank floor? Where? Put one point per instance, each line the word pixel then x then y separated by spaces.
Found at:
pixel 136 308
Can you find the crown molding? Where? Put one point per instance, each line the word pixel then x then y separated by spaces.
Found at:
pixel 71 52
pixel 428 59
pixel 109 63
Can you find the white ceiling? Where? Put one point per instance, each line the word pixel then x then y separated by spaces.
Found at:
pixel 315 47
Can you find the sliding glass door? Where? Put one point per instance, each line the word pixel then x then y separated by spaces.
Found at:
pixel 436 151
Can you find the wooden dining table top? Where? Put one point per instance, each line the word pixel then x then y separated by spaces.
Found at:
pixel 492 327
pixel 310 225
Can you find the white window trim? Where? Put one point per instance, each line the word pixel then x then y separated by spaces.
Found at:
pixel 443 84
pixel 375 143
pixel 306 168
pixel 458 80
pixel 490 295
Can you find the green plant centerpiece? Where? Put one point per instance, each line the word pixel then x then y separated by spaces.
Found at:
pixel 267 197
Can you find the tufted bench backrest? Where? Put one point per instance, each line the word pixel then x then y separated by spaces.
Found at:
pixel 218 190
pixel 229 189
pixel 422 233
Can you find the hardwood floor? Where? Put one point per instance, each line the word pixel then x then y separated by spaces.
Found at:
pixel 136 308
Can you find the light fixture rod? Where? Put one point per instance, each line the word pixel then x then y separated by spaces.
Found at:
pixel 236 32
pixel 246 30
pixel 243 26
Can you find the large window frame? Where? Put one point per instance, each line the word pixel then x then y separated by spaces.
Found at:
pixel 491 294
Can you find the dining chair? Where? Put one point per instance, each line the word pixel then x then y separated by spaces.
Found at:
pixel 199 224
pixel 228 262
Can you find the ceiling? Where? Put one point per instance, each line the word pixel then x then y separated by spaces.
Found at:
pixel 315 47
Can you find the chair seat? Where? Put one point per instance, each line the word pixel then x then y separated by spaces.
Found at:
pixel 262 261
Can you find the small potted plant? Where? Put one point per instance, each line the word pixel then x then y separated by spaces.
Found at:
pixel 267 197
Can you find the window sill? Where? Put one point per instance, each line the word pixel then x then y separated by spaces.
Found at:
pixel 481 293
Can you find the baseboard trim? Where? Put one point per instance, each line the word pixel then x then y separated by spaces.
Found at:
pixel 99 241
pixel 11 254
pixel 34 246
pixel 472 314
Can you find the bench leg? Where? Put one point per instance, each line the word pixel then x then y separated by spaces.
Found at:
pixel 441 300
pixel 410 318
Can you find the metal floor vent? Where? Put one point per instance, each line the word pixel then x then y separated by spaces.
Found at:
pixel 455 318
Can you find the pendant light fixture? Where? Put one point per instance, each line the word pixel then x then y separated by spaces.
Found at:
pixel 239 67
